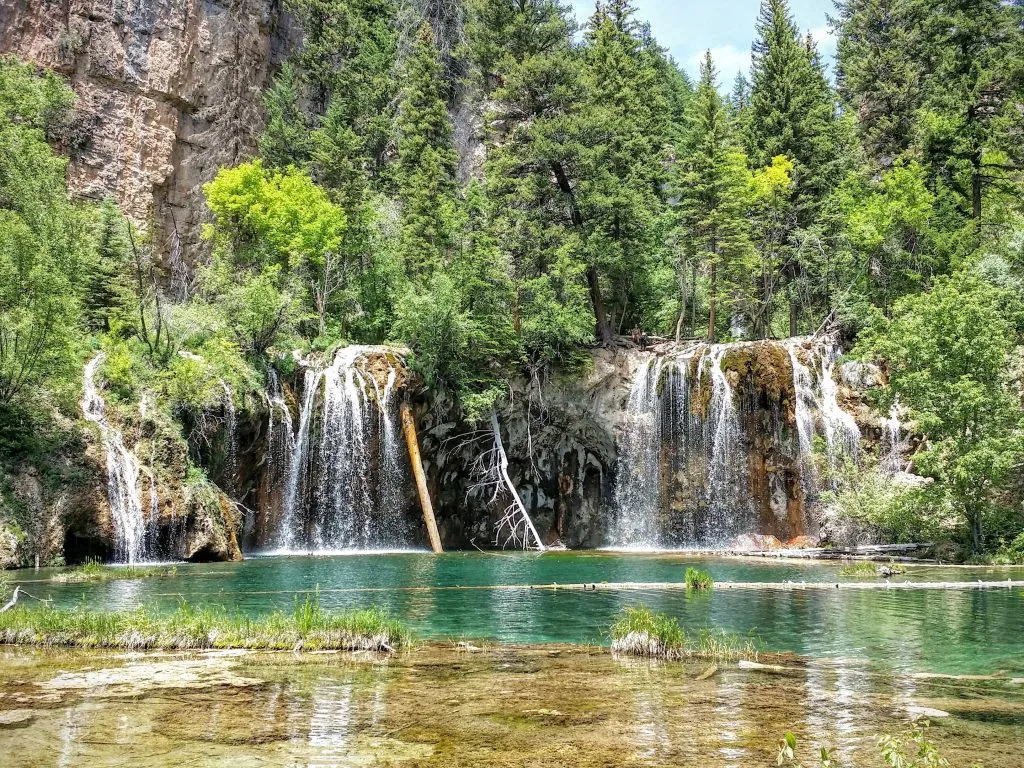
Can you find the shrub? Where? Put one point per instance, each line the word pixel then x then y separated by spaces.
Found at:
pixel 697 579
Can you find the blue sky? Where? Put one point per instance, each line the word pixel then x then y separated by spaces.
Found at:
pixel 689 27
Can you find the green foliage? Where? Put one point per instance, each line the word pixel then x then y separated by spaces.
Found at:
pixel 44 238
pixel 911 749
pixel 191 628
pixel 638 631
pixel 947 352
pixel 714 194
pixel 277 239
pixel 698 580
pixel 425 171
pixel 459 326
pixel 94 570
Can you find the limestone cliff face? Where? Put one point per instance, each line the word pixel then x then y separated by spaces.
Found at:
pixel 168 91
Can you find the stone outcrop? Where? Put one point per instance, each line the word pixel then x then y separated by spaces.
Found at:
pixel 167 91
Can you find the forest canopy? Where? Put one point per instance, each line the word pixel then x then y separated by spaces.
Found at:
pixel 499 188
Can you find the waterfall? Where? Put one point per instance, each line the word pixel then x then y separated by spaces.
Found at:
pixel 842 434
pixel 728 472
pixel 638 483
pixel 130 540
pixel 295 484
pixel 892 441
pixel 707 450
pixel 231 428
pixel 345 477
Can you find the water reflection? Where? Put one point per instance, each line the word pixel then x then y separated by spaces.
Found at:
pixel 439 707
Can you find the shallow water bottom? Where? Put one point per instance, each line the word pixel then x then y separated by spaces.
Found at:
pixel 495 706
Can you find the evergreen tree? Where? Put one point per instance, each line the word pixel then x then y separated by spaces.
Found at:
pixel 879 71
pixel 791 108
pixel 792 114
pixel 531 73
pixel 285 139
pixel 624 132
pixel 713 189
pixel 973 87
pixel 425 172
pixel 106 292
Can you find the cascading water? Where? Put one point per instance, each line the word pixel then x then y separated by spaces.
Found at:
pixel 638 485
pixel 892 441
pixel 345 477
pixel 130 539
pixel 841 432
pixel 728 473
pixel 704 456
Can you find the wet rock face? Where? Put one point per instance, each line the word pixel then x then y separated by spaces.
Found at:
pixel 168 91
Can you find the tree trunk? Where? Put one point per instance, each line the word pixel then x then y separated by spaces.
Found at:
pixel 411 441
pixel 682 303
pixel 520 508
pixel 712 302
pixel 604 331
pixel 693 299
pixel 976 186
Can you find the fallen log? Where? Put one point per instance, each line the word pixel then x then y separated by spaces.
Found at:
pixel 412 443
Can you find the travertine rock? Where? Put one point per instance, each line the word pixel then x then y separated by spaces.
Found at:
pixel 168 91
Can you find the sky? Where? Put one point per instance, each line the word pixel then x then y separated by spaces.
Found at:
pixel 689 27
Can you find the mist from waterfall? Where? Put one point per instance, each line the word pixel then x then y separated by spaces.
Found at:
pixel 123 470
pixel 343 470
pixel 684 472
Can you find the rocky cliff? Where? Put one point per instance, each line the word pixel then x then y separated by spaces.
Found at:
pixel 168 91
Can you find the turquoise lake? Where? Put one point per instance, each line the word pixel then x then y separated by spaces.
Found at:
pixel 465 596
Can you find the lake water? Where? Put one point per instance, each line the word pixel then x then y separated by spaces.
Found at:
pixel 468 596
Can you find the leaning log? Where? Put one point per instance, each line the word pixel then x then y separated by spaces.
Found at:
pixel 411 441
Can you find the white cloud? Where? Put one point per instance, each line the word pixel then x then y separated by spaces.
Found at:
pixel 728 60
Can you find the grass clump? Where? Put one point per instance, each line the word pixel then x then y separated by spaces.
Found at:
pixel 94 570
pixel 697 579
pixel 862 568
pixel 308 627
pixel 866 569
pixel 641 632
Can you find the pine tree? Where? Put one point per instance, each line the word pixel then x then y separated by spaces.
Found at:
pixel 106 290
pixel 793 114
pixel 425 172
pixel 791 107
pixel 879 72
pixel 713 189
pixel 285 139
pixel 624 134
pixel 525 55
pixel 973 88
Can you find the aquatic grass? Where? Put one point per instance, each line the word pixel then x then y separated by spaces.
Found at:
pixel 697 579
pixel 868 569
pixel 641 632
pixel 190 627
pixel 96 571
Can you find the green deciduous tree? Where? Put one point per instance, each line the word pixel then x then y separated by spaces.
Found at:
pixel 276 230
pixel 947 351
pixel 45 240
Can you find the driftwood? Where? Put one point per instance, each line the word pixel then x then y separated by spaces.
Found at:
pixel 413 444
pixel 14 598
pixel 516 519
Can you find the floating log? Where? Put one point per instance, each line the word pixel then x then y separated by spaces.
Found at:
pixel 412 442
